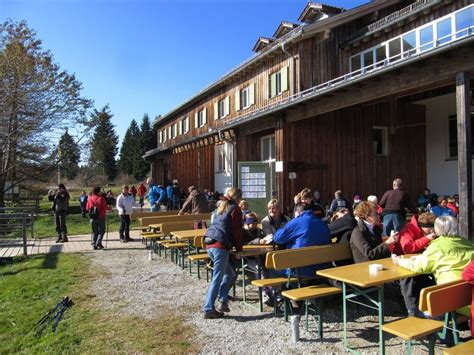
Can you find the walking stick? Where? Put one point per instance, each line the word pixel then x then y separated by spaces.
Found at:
pixel 107 230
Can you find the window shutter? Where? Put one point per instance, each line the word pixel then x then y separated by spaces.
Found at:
pixel 226 105
pixel 284 79
pixel 169 133
pixel 237 100
pixel 216 110
pixel 186 125
pixel 251 94
pixel 160 137
pixel 272 85
pixel 180 127
pixel 164 135
pixel 204 116
pixel 196 123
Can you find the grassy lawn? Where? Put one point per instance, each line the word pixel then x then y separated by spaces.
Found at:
pixel 32 286
pixel 45 227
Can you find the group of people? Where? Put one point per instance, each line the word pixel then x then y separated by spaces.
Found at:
pixel 373 229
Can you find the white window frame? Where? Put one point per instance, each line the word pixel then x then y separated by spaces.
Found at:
pixel 417 49
pixel 384 130
pixel 174 131
pixel 164 135
pixel 160 136
pixel 264 138
pixel 185 125
pixel 223 158
pixel 245 98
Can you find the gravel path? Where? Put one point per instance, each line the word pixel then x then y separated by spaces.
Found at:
pixel 136 286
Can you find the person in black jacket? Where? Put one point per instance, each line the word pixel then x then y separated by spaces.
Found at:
pixel 366 238
pixel 60 199
pixel 342 224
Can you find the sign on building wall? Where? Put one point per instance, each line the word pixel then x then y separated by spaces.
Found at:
pixel 254 180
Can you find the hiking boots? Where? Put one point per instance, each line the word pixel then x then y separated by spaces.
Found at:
pixel 213 314
pixel 59 239
pixel 64 239
pixel 222 307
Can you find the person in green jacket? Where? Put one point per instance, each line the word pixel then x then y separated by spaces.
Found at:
pixel 445 257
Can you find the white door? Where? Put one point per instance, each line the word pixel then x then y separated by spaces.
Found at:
pixel 223 166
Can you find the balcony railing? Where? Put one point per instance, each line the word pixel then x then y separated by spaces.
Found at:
pixel 330 85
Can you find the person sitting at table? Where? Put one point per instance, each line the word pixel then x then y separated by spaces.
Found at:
pixel 445 257
pixel 442 208
pixel 366 238
pixel 244 206
pixel 453 206
pixel 416 235
pixel 303 231
pixel 252 235
pixel 367 244
pixel 342 224
pixel 274 219
pixel 306 197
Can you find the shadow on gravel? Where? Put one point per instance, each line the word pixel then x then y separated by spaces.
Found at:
pixel 249 318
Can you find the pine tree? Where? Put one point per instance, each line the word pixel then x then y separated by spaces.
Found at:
pixel 130 150
pixel 104 144
pixel 69 155
pixel 147 142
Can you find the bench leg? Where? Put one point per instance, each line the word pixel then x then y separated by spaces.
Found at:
pixel 260 299
pixel 320 318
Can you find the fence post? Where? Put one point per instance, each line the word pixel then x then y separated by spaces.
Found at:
pixel 23 225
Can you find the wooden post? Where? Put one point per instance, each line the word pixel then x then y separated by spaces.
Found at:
pixel 281 147
pixel 463 102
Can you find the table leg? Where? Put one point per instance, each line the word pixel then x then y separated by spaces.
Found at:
pixel 344 315
pixel 381 316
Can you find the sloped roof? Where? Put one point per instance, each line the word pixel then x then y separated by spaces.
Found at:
pixel 315 11
pixel 284 28
pixel 262 42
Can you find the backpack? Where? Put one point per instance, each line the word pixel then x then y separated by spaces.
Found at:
pixel 94 212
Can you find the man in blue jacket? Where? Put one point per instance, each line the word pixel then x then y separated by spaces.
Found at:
pixel 303 231
pixel 156 195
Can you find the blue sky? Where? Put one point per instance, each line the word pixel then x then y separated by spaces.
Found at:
pixel 148 56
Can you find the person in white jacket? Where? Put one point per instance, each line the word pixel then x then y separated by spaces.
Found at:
pixel 125 208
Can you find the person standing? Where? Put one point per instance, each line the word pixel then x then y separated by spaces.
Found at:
pixel 83 203
pixel 97 207
pixel 395 202
pixel 133 192
pixel 196 202
pixel 60 208
pixel 169 195
pixel 176 196
pixel 224 234
pixel 141 194
pixel 154 195
pixel 338 202
pixel 125 208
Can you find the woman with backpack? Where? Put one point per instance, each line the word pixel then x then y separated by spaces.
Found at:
pixel 224 234
pixel 97 207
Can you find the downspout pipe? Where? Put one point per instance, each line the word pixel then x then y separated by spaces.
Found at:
pixel 293 67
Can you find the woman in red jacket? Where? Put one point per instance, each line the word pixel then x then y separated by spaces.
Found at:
pixel 416 235
pixel 97 206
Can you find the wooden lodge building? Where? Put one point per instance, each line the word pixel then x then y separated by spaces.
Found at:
pixel 340 99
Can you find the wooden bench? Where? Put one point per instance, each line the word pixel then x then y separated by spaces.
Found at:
pixel 464 348
pixel 165 229
pixel 146 221
pixel 136 215
pixel 310 256
pixel 198 244
pixel 436 301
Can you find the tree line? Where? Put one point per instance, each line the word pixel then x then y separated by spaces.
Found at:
pixel 39 106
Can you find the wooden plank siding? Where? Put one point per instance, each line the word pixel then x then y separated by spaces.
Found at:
pixel 259 76
pixel 337 152
pixel 193 167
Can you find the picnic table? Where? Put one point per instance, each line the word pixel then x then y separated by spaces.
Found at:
pixel 361 282
pixel 188 235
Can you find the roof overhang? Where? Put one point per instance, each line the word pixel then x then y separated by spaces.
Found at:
pixel 284 28
pixel 262 43
pixel 317 11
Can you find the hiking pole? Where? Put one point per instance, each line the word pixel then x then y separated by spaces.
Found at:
pixel 47 318
pixel 60 313
pixel 107 229
pixel 47 315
